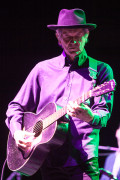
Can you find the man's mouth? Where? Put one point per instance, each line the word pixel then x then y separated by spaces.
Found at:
pixel 73 48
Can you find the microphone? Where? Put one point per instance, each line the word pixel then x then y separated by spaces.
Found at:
pixel 109 148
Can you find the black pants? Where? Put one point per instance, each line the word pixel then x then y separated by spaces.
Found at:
pixel 88 170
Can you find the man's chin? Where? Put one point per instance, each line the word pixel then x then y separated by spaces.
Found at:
pixel 72 55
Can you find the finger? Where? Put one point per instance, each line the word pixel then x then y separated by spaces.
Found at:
pixel 21 143
pixel 26 133
pixel 72 105
pixel 70 113
pixel 84 105
pixel 70 109
pixel 26 140
pixel 80 109
pixel 22 147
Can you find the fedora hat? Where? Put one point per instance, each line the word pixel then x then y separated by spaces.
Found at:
pixel 72 18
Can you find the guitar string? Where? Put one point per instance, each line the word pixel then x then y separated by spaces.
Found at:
pixel 79 100
pixel 49 120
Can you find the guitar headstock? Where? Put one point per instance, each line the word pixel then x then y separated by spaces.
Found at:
pixel 104 88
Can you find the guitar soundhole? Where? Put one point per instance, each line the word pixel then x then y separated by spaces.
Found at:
pixel 37 129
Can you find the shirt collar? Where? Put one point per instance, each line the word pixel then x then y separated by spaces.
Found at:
pixel 67 62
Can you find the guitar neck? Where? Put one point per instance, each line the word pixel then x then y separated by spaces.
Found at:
pixel 61 112
pixel 84 97
pixel 97 91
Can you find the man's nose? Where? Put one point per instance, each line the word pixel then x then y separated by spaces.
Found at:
pixel 74 40
pixel 77 42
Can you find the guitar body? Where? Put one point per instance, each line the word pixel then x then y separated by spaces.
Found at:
pixel 51 137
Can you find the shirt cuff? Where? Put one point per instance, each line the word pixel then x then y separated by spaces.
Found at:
pixel 14 126
pixel 95 120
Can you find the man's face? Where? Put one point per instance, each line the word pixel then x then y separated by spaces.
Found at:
pixel 73 41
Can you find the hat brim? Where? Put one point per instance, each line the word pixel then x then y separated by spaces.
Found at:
pixel 88 26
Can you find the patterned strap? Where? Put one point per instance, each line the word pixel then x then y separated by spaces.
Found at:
pixel 92 68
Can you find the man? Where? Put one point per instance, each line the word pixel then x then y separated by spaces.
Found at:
pixel 62 80
pixel 112 162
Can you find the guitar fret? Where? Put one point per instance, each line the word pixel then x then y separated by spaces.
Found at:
pixel 84 97
pixel 54 117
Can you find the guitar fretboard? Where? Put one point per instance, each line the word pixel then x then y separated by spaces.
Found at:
pixel 61 112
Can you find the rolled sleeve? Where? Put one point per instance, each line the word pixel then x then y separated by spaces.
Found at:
pixel 103 105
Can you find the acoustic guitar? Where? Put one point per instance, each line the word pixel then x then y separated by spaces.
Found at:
pixel 50 132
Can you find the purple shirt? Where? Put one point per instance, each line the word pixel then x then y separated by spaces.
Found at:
pixel 56 80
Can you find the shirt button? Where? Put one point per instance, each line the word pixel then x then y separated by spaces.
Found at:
pixel 66 99
pixel 69 85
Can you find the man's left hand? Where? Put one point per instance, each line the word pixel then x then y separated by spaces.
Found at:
pixel 81 111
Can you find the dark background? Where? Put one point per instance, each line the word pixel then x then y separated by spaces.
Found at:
pixel 25 40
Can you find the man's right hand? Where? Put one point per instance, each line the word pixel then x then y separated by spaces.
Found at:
pixel 24 139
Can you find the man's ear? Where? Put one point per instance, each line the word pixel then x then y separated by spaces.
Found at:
pixel 58 38
pixel 86 37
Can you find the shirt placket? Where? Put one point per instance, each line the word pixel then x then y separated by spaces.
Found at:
pixel 67 92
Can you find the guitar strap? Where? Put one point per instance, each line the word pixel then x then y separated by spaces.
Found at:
pixel 93 70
